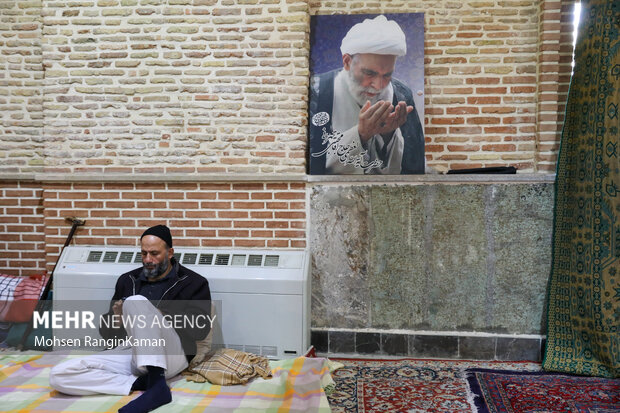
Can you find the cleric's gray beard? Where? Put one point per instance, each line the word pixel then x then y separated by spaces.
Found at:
pixel 357 90
pixel 157 270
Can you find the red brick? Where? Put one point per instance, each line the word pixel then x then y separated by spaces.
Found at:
pixel 499 148
pixel 164 214
pixel 123 204
pixel 482 81
pixel 233 195
pixel 276 224
pixel 274 186
pixel 151 204
pixel 105 232
pixel 201 195
pixel 261 195
pixel 248 243
pixel 465 130
pixel 490 90
pixel 200 233
pixel 249 224
pixel 500 129
pixel 233 233
pixel 499 109
pixel 232 214
pixel 523 89
pixel 448 121
pixel 168 195
pixel 216 243
pixel 184 242
pixel 484 100
pixel 262 233
pixel 289 195
pixel 429 130
pixel 458 90
pixel 134 195
pixel 117 186
pixel 290 215
pixel 463 148
pixel 121 222
pixel 277 243
pixel 483 120
pixel 290 234
pixel 200 214
pixel 215 205
pixel 184 204
pixel 73 195
pixel 178 223
pixel 216 224
pixel 463 110
pixel 452 157
pixel 277 205
pixel 248 187
pixel 248 205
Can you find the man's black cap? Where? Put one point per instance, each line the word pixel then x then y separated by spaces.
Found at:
pixel 160 231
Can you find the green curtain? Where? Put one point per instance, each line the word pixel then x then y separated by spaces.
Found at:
pixel 583 310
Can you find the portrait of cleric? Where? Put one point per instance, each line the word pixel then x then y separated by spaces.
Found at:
pixel 366 94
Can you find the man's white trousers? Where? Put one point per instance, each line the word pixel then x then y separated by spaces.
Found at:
pixel 114 371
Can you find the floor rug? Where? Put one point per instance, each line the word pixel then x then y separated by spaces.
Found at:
pixel 517 391
pixel 406 385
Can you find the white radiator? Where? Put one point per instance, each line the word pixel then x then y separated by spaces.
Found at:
pixel 265 295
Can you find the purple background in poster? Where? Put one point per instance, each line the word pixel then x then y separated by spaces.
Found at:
pixel 327 32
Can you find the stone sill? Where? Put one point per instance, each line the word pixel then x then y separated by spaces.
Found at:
pixel 311 179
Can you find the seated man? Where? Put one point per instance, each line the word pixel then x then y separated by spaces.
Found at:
pixel 148 292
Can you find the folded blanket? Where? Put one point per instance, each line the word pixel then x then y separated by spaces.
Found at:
pixel 228 367
pixel 19 296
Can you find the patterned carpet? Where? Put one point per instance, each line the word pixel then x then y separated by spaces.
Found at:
pixel 407 385
pixel 583 334
pixel 518 391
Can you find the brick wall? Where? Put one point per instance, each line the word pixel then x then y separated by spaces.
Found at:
pixel 21 82
pixel 201 87
pixel 554 68
pixel 191 86
pixel 240 215
pixel 22 239
pixel 220 86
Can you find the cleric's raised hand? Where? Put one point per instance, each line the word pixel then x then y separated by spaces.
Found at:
pixel 381 118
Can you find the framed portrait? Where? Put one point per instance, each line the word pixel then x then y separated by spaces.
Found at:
pixel 366 94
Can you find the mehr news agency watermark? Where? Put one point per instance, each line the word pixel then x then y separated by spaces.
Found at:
pixel 79 328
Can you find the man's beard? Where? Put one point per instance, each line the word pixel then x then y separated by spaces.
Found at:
pixel 359 92
pixel 155 270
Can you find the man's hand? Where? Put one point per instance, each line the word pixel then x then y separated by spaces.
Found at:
pixel 381 118
pixel 117 307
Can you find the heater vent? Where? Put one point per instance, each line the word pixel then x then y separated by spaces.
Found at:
pixel 189 258
pixel 222 259
pixel 110 256
pixel 272 260
pixel 125 257
pixel 238 259
pixel 255 260
pixel 205 259
pixel 94 256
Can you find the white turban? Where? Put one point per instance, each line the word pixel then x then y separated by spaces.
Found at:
pixel 377 36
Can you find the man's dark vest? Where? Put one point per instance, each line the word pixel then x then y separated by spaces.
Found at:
pixel 322 100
